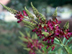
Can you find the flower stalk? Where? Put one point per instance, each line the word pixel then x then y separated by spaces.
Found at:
pixel 46 30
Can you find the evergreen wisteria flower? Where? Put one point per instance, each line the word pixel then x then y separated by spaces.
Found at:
pixel 32 44
pixel 20 16
pixel 52 29
pixel 46 30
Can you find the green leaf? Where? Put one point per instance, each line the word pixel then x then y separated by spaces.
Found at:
pixel 22 44
pixel 23 39
pixel 44 48
pixel 28 33
pixel 68 48
pixel 70 39
pixel 55 13
pixel 42 25
pixel 66 26
pixel 56 48
pixel 64 40
pixel 45 33
pixel 9 9
pixel 21 34
pixel 60 51
pixel 28 27
pixel 28 49
pixel 30 40
pixel 42 16
pixel 56 39
pixel 39 51
pixel 28 23
pixel 56 42
pixel 34 36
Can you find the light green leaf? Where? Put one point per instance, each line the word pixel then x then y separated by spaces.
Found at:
pixel 64 40
pixel 69 50
pixel 55 13
pixel 42 16
pixel 29 27
pixel 56 39
pixel 28 49
pixel 45 33
pixel 66 26
pixel 69 40
pixel 39 51
pixel 23 39
pixel 28 33
pixel 28 23
pixel 21 34
pixel 34 36
pixel 30 40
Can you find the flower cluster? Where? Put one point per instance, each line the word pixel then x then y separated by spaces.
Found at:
pixel 33 45
pixel 52 29
pixel 46 30
pixel 20 16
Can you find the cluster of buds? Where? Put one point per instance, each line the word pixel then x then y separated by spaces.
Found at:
pixel 46 30
pixel 31 44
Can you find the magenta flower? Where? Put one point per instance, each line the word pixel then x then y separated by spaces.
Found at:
pixel 24 13
pixel 54 30
pixel 33 45
pixel 67 34
pixel 20 17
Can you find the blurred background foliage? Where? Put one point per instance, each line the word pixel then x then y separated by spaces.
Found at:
pixel 9 41
pixel 9 31
pixel 42 5
pixel 54 3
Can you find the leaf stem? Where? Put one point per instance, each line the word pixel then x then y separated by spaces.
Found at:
pixel 63 45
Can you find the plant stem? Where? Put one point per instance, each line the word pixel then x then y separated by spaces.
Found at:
pixel 63 45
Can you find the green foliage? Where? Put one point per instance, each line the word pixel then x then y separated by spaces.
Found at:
pixel 29 14
pixel 56 41
pixel 22 44
pixel 9 41
pixel 64 46
pixel 23 39
pixel 29 23
pixel 28 49
pixel 19 4
pixel 66 26
pixel 34 36
pixel 9 9
pixel 45 33
pixel 34 10
pixel 55 13
pixel 21 34
pixel 28 33
pixel 38 15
